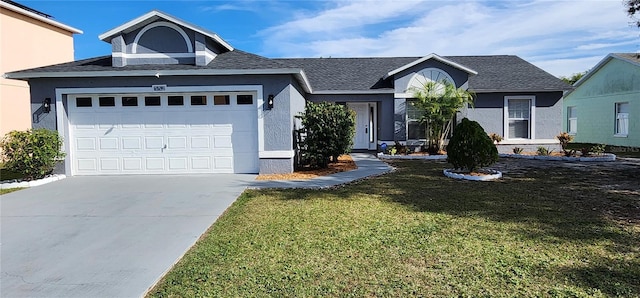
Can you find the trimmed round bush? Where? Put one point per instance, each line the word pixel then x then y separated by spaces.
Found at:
pixel 470 147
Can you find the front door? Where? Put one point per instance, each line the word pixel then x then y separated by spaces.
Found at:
pixel 364 137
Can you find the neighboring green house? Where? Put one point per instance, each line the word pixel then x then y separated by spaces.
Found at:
pixel 604 107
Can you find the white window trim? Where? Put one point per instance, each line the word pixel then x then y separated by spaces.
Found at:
pixel 615 119
pixel 569 118
pixel 532 116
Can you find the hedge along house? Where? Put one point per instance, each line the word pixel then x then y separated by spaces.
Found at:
pixel 604 107
pixel 176 98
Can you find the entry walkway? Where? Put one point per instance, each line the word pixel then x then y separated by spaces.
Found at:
pixel 368 165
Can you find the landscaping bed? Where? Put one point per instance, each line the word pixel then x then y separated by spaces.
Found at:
pixel 545 229
pixel 344 163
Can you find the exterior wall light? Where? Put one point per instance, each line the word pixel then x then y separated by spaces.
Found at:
pixel 46 105
pixel 270 102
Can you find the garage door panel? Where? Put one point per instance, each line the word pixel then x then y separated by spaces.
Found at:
pixel 153 143
pixel 200 142
pixel 109 164
pixel 84 144
pixel 108 143
pixel 177 163
pixel 154 163
pixel 131 143
pixel 176 143
pixel 132 164
pixel 201 162
pixel 161 139
pixel 87 164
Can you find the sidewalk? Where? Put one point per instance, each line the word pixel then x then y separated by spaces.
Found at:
pixel 368 165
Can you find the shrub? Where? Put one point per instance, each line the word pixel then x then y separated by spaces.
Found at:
pixel 33 153
pixel 544 151
pixel 470 147
pixel 329 132
pixel 598 149
pixel 495 137
pixel 565 139
pixel 517 150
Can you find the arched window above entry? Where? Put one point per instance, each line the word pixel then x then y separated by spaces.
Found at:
pixel 427 75
pixel 161 37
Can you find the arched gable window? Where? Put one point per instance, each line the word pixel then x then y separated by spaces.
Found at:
pixel 161 37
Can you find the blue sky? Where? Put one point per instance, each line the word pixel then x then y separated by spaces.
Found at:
pixel 561 37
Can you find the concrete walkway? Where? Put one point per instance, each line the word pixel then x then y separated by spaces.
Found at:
pixel 368 165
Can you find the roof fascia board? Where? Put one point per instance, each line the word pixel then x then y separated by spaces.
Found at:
pixel 636 63
pixel 107 35
pixel 299 73
pixel 39 18
pixel 336 92
pixel 425 58
pixel 514 90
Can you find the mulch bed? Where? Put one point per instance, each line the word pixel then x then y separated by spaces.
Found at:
pixel 344 163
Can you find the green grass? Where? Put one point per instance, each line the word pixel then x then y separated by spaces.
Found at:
pixel 8 190
pixel 542 232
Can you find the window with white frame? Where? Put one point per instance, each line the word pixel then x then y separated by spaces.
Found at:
pixel 572 120
pixel 415 129
pixel 622 118
pixel 518 116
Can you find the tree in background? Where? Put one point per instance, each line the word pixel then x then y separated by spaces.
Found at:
pixel 574 77
pixel 633 9
pixel 439 102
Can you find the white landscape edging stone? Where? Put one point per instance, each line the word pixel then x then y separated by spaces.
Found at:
pixel 32 183
pixel 603 157
pixel 451 174
pixel 425 157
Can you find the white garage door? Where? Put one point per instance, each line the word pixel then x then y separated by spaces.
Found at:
pixel 163 134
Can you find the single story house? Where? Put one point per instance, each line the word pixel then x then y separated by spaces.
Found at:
pixel 176 98
pixel 604 107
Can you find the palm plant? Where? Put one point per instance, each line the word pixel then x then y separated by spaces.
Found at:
pixel 439 103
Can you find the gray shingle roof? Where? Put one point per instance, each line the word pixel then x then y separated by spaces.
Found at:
pixel 633 57
pixel 495 73
pixel 235 59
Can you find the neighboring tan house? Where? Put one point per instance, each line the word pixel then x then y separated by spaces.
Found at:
pixel 604 107
pixel 28 38
pixel 173 97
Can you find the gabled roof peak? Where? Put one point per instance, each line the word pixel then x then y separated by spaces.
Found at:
pixel 153 16
pixel 434 57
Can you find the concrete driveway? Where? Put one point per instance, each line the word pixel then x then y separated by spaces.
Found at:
pixel 105 236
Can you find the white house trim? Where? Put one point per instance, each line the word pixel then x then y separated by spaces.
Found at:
pixel 532 116
pixel 276 154
pixel 134 48
pixel 134 24
pixel 154 55
pixel 431 56
pixel 332 92
pixel 39 17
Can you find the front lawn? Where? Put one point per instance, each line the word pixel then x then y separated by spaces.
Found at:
pixel 558 231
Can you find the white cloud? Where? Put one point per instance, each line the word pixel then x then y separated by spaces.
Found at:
pixel 557 35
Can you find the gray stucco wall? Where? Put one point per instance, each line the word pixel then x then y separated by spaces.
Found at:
pixel 488 110
pixel 280 127
pixel 278 122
